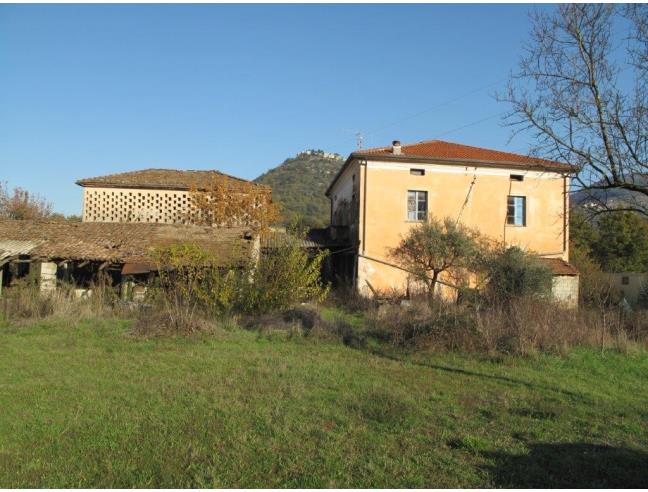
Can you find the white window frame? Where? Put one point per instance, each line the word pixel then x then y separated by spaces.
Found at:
pixel 417 201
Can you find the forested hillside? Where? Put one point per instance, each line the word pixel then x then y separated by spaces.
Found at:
pixel 299 184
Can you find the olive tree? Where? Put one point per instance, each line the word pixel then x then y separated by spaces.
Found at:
pixel 440 247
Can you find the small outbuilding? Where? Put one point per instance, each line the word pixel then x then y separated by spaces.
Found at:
pixel 564 288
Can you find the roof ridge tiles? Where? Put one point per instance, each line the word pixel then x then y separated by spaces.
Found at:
pixel 157 178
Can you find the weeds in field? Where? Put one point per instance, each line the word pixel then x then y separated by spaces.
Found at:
pixel 525 327
pixel 24 302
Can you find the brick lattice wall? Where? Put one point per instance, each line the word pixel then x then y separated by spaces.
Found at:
pixel 135 205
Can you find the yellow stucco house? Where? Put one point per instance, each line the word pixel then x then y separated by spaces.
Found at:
pixel 380 193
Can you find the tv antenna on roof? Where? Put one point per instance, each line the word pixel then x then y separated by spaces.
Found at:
pixel 359 139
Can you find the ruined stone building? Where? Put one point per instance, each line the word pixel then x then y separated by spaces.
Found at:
pixel 126 217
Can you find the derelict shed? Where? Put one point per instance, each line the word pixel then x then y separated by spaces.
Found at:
pixel 79 252
pixel 565 283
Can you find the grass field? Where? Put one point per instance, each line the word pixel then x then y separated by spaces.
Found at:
pixel 90 406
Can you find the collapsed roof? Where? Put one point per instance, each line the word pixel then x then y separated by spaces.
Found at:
pixel 119 242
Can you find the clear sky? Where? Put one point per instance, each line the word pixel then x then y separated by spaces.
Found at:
pixel 88 90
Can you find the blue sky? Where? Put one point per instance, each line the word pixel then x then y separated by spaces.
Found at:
pixel 87 90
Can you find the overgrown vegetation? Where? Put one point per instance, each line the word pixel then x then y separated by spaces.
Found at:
pixel 266 389
pixel 193 292
pixel 525 327
pixel 24 303
pixel 448 253
pixel 514 274
pixel 616 241
pixel 227 201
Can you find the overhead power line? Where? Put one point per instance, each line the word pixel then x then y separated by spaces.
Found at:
pixel 364 135
pixel 468 125
pixel 437 106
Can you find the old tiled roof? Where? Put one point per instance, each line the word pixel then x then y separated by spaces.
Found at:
pixel 438 149
pixel 440 152
pixel 559 266
pixel 313 239
pixel 10 249
pixel 158 179
pixel 123 242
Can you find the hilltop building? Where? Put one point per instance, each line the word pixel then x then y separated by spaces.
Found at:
pixel 319 153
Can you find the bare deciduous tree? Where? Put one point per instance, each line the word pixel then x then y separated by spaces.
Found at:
pixel 20 204
pixel 582 105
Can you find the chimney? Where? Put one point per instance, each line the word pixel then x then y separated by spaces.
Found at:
pixel 396 147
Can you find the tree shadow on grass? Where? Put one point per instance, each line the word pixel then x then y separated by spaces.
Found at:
pixel 465 372
pixel 570 465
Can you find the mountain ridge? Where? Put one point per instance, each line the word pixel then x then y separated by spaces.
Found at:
pixel 299 185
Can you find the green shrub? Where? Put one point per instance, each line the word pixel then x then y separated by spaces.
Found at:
pixel 284 276
pixel 514 274
pixel 192 287
pixel 185 290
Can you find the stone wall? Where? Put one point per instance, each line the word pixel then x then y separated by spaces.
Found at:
pixel 565 289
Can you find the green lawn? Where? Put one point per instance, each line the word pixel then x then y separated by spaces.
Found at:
pixel 89 406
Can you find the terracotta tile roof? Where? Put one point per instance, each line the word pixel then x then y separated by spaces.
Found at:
pixel 559 266
pixel 438 149
pixel 158 178
pixel 10 249
pixel 123 242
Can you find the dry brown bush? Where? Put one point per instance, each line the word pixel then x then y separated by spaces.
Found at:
pixel 302 319
pixel 25 303
pixel 523 327
pixel 158 321
pixel 350 300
